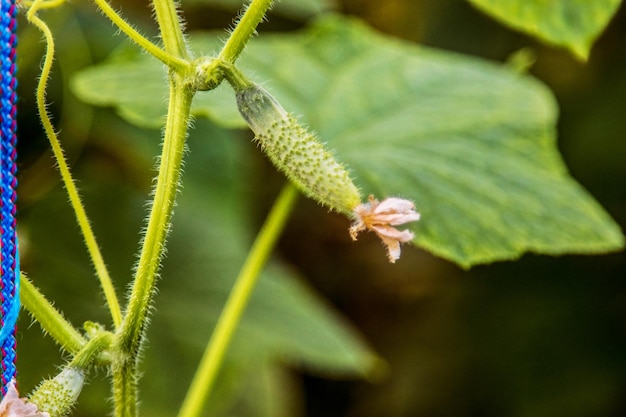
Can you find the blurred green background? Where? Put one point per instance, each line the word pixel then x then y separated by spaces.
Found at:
pixel 542 336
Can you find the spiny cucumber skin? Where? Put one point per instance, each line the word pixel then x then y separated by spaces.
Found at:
pixel 58 395
pixel 306 162
pixel 296 152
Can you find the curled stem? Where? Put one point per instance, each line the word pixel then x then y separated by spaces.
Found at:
pixel 68 181
pixel 209 366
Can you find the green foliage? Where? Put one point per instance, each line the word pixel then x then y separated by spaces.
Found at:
pixel 574 24
pixel 286 320
pixel 471 142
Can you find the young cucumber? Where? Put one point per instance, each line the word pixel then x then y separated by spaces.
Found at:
pixel 296 151
pixel 315 171
pixel 56 397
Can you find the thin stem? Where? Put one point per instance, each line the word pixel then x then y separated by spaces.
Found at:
pixel 254 14
pixel 207 371
pixel 171 60
pixel 92 350
pixel 131 333
pixel 169 24
pixel 75 200
pixel 49 318
pixel 235 77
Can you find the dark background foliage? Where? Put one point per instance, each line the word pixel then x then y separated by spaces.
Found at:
pixel 542 336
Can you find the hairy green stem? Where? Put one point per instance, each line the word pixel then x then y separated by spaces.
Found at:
pixel 235 77
pixel 169 25
pixel 168 59
pixel 254 14
pixel 91 351
pixel 208 369
pixel 133 326
pixel 49 318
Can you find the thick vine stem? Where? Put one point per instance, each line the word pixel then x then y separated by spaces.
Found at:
pixel 131 333
pixel 246 27
pixel 207 371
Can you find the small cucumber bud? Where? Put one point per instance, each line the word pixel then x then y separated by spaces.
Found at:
pixel 296 152
pixel 58 395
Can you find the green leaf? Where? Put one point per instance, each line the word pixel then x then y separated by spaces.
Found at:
pixel 574 24
pixel 268 393
pixel 471 142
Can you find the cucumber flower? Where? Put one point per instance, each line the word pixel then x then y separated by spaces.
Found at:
pixel 380 217
pixel 14 406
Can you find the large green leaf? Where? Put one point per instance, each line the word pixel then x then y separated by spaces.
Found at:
pixel 574 24
pixel 471 142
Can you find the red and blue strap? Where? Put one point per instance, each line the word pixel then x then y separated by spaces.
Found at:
pixel 9 284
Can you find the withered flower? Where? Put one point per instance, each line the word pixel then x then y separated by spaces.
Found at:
pixel 380 217
pixel 14 406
